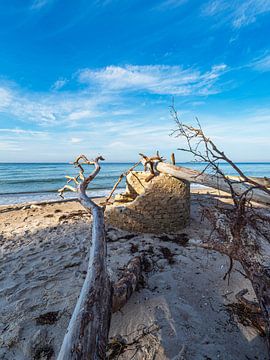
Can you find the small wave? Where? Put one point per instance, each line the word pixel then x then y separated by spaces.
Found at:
pixel 53 191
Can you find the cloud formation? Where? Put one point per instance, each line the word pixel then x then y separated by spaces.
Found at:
pixel 105 92
pixel 238 13
pixel 38 4
pixel 49 108
pixel 262 63
pixel 155 79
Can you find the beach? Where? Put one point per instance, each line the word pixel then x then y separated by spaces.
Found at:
pixel 182 308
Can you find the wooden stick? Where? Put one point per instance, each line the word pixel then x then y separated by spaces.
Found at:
pixel 119 180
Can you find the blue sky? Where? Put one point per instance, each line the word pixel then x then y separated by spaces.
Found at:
pixel 99 77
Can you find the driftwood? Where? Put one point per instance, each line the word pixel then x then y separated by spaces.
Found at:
pixel 205 150
pixel 123 288
pixel 119 180
pixel 214 181
pixel 87 333
pixel 264 181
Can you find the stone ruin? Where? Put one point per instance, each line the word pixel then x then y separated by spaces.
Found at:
pixel 161 205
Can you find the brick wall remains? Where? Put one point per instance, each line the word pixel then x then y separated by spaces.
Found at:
pixel 161 205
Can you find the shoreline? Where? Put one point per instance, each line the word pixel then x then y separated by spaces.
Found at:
pixel 17 206
pixel 48 199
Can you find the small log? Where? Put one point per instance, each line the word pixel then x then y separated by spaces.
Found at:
pixel 123 289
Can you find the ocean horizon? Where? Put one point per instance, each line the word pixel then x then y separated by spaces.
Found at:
pixel 29 182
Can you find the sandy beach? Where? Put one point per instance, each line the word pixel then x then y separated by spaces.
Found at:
pixel 181 309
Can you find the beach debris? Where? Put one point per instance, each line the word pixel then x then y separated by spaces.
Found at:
pixel 248 312
pixel 48 318
pixel 127 284
pixel 167 254
pixel 143 341
pixel 134 248
pixel 75 215
pixel 179 239
pixel 40 346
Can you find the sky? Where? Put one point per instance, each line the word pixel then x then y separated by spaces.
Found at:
pixel 99 77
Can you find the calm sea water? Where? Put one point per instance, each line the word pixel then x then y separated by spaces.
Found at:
pixel 21 183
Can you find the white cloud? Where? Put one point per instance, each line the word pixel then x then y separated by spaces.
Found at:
pixel 5 97
pixel 169 4
pixel 38 4
pixel 22 131
pixel 261 64
pixel 106 93
pixel 239 13
pixel 50 108
pixel 7 146
pixel 155 79
pixel 84 114
pixel 75 140
pixel 59 84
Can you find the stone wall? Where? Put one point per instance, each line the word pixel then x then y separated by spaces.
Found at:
pixel 161 205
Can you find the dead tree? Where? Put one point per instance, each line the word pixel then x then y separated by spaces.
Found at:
pixel 240 231
pixel 87 333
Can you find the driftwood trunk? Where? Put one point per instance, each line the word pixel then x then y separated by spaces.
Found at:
pixel 214 181
pixel 87 333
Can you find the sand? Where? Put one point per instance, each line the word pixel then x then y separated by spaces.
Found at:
pixel 182 305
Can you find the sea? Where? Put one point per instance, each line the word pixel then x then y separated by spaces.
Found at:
pixel 34 182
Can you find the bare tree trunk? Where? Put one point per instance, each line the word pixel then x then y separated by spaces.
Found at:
pixel 214 181
pixel 87 333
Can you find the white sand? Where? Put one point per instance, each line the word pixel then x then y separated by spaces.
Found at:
pixel 42 268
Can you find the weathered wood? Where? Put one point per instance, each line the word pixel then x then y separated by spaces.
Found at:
pixel 123 289
pixel 214 181
pixel 87 333
pixel 172 158
pixel 264 181
pixel 119 180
